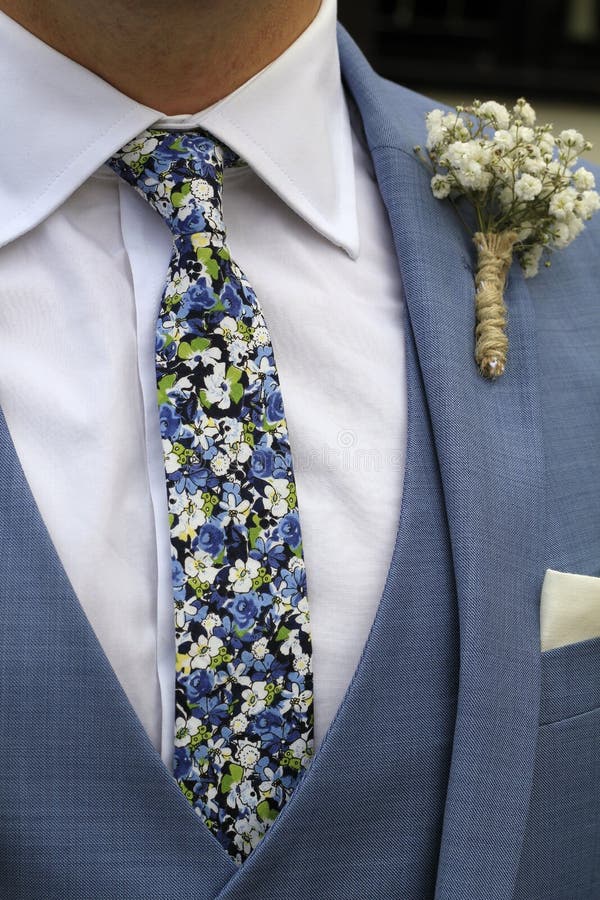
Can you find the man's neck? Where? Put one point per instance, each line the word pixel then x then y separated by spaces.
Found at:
pixel 178 57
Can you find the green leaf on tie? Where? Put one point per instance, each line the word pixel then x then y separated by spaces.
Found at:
pixel 178 197
pixel 233 376
pixel 165 383
pixel 255 532
pixel 234 775
pixel 204 255
pixel 265 811
pixel 186 351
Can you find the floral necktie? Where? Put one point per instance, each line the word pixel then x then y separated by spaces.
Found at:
pixel 244 716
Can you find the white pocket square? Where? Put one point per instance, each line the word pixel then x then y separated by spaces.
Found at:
pixel 569 608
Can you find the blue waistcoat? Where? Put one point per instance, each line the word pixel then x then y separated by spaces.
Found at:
pixel 463 763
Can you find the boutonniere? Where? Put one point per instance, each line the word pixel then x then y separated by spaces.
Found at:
pixel 527 195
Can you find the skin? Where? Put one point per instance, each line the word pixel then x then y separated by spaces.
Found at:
pixel 176 57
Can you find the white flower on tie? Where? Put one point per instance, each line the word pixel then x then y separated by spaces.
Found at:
pixel 135 149
pixel 259 648
pixel 211 621
pixel 220 464
pixel 237 513
pixel 185 611
pixel 189 520
pixel 291 645
pixel 218 750
pixel 300 749
pixel 200 565
pixel 205 430
pixel 239 723
pixel 204 650
pixel 255 698
pixel 185 729
pixel 232 430
pixel 217 387
pixel 261 336
pixel 248 755
pixel 201 189
pixel 275 497
pixel 178 283
pixel 260 369
pixel 227 327
pixel 242 573
pixel 240 452
pixel 295 698
pixel 238 351
pixel 302 663
pixel 210 799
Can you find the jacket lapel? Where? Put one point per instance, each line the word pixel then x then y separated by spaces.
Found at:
pixel 488 437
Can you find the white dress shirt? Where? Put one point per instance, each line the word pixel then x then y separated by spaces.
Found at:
pixel 82 265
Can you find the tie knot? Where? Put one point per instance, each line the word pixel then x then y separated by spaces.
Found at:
pixel 180 174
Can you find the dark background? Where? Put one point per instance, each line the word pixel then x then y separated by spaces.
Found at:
pixel 545 49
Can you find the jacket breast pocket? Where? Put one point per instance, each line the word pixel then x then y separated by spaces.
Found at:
pixel 570 645
pixel 569 609
pixel 560 858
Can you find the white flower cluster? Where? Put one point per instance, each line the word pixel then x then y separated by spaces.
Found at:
pixel 518 175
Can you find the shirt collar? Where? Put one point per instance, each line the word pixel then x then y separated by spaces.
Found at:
pixel 289 122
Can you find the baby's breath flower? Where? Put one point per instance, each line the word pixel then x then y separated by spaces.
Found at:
pixel 534 166
pixel 587 204
pixel 440 186
pixel 572 140
pixel 523 134
pixel 495 113
pixel 524 111
pixel 583 179
pixel 530 260
pixel 563 203
pixel 527 187
pixel 504 139
pixel 527 196
pixel 560 235
pixel 519 176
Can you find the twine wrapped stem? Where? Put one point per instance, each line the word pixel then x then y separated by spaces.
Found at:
pixel 494 257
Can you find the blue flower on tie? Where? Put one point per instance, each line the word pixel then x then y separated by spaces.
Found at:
pixel 270 553
pixel 272 668
pixel 263 460
pixel 283 464
pixel 182 763
pixel 243 608
pixel 164 350
pixel 191 224
pixel 164 157
pixel 198 297
pixel 170 422
pixel 231 300
pixel 274 406
pixel 212 709
pixel 295 584
pixel 267 721
pixel 200 683
pixel 200 151
pixel 289 530
pixel 210 538
pixel 189 478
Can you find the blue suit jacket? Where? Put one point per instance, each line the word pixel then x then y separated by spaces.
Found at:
pixel 463 763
